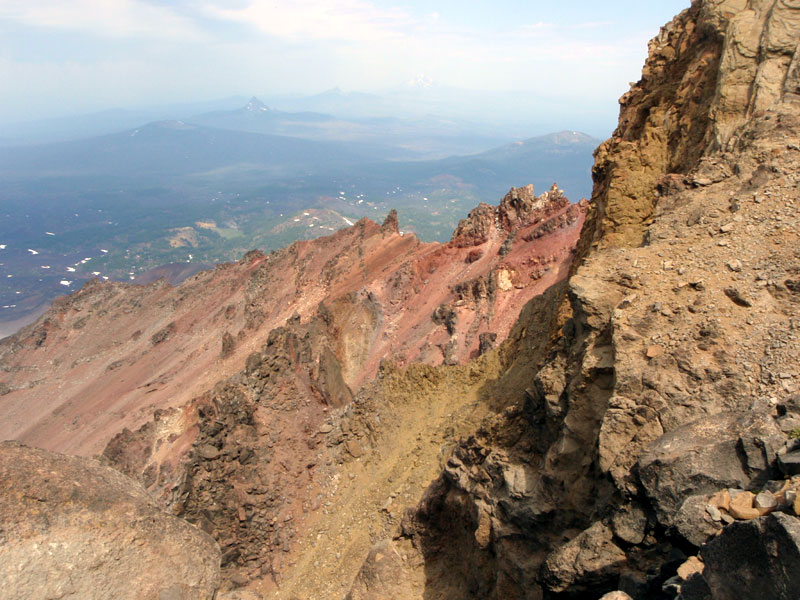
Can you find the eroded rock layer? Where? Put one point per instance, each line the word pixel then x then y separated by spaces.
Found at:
pixel 109 355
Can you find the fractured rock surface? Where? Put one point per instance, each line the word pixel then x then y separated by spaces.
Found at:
pixel 72 528
pixel 673 358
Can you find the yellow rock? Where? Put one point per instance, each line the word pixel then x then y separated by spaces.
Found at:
pixel 742 507
pixel 690 567
pixel 721 499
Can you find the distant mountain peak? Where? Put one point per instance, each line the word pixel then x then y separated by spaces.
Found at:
pixel 256 105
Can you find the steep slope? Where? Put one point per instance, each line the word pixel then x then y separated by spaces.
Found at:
pixel 242 381
pixel 672 372
pixel 106 357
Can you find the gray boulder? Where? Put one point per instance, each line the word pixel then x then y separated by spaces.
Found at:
pixel 755 559
pixel 727 450
pixel 71 528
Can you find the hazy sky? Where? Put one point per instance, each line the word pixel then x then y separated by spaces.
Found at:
pixel 65 56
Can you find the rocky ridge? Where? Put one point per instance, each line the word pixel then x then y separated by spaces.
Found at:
pixel 672 365
pixel 634 436
pixel 109 355
pixel 275 357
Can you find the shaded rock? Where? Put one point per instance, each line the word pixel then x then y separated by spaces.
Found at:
pixel 695 588
pixel 486 341
pixel 755 559
pixel 630 524
pixel 737 297
pixel 789 463
pixel 703 456
pixel 387 574
pixel 589 559
pixel 73 528
pixel 228 345
pixel 162 335
pixel 693 522
pixel 692 458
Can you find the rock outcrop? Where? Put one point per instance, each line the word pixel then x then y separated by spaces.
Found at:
pixel 672 359
pixel 632 432
pixel 710 71
pixel 72 528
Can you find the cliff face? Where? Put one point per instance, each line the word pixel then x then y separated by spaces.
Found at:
pixel 672 370
pixel 713 68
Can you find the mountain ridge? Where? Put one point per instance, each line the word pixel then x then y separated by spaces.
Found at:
pixel 634 436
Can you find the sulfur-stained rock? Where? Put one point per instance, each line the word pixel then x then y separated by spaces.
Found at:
pixel 742 506
pixel 721 499
pixel 73 528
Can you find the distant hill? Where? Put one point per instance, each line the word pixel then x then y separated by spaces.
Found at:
pixel 428 136
pixel 170 149
pixel 114 120
pixel 564 157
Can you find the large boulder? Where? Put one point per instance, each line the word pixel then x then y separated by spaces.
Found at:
pixel 72 528
pixel 728 450
pixel 755 559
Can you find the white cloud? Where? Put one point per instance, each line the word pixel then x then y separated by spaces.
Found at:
pixel 112 18
pixel 300 20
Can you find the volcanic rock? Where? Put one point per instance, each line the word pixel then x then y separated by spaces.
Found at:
pixel 72 528
pixel 755 559
pixel 662 375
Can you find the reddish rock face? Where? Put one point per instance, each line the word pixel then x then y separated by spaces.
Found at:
pixel 109 355
pixel 230 397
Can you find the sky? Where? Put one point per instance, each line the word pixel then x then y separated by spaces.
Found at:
pixel 60 57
